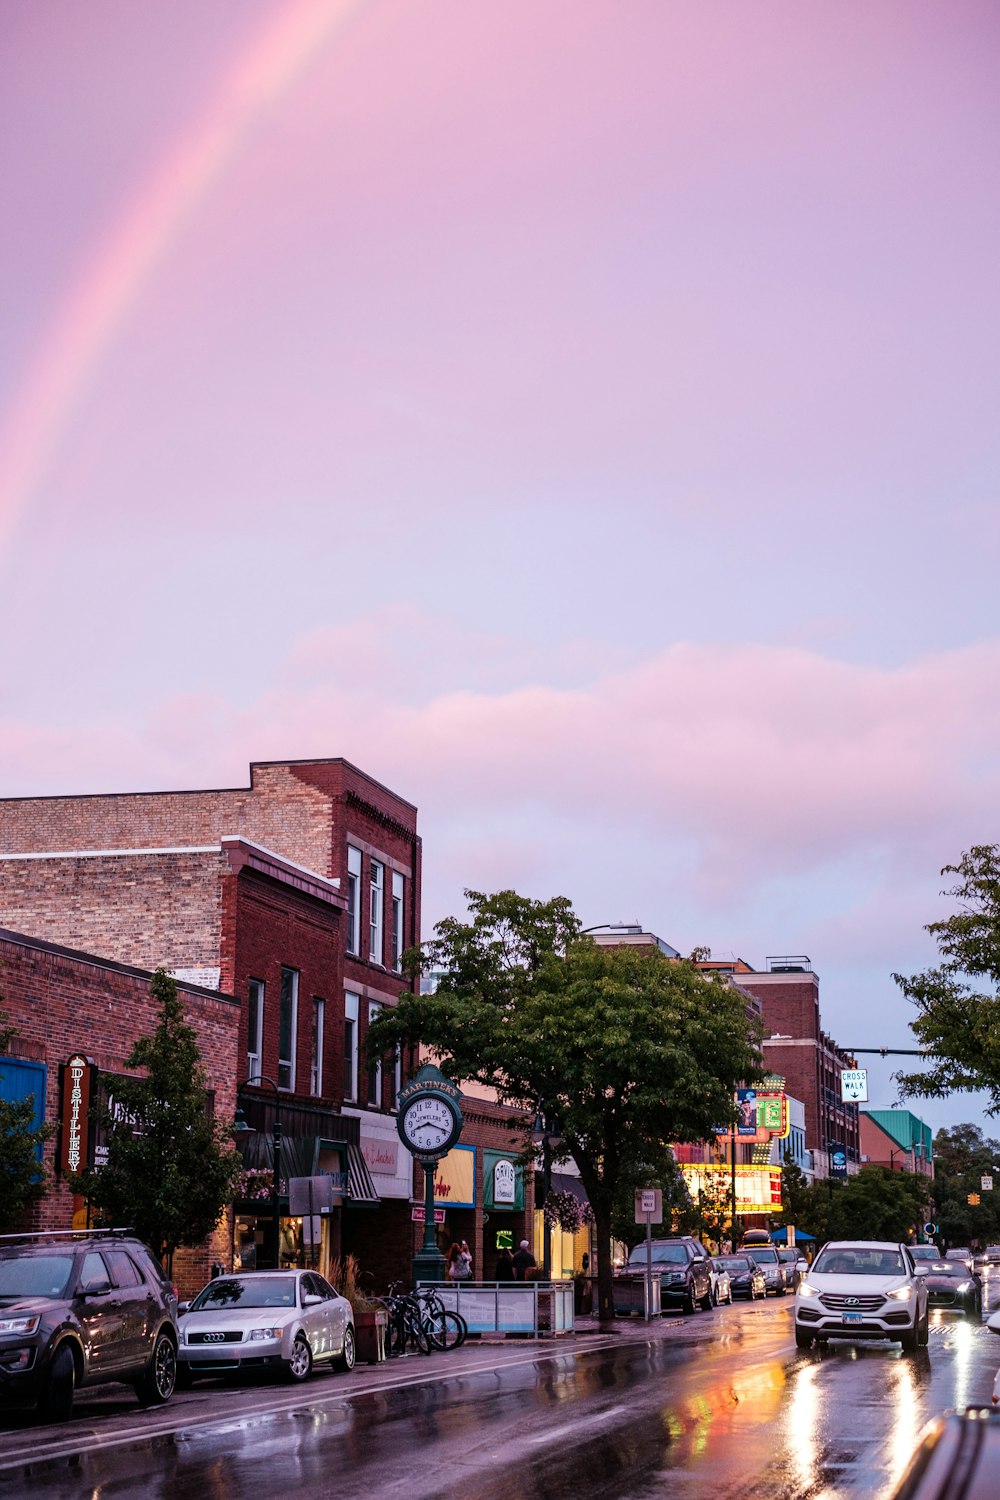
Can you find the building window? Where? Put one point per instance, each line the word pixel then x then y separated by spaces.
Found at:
pixel 375 913
pixel 255 1028
pixel 353 900
pixel 374 1068
pixel 397 921
pixel 351 1003
pixel 316 1071
pixel 287 1027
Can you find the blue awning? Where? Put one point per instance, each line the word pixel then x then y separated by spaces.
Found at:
pixel 779 1236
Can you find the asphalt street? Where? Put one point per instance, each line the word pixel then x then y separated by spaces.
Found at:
pixel 719 1404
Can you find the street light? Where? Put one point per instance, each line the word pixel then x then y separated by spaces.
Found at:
pixel 241 1127
pixel 895 1151
pixel 542 1134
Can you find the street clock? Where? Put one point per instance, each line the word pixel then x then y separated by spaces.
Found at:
pixel 429 1119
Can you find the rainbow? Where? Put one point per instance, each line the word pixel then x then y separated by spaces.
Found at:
pixel 114 277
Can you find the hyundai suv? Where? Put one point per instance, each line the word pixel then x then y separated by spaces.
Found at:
pixel 80 1309
pixel 862 1289
pixel 685 1271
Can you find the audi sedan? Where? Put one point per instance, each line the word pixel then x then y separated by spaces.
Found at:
pixel 862 1289
pixel 286 1321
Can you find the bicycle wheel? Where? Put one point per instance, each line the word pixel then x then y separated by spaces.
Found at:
pixel 415 1332
pixel 446 1331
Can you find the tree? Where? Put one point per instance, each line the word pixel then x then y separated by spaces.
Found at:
pixel 878 1204
pixel 171 1169
pixel 958 1019
pixel 962 1157
pixel 623 1047
pixel 23 1178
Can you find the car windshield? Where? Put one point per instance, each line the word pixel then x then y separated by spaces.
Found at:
pixel 949 1268
pixel 733 1263
pixel 925 1252
pixel 764 1255
pixel 859 1262
pixel 34 1275
pixel 246 1291
pixel 672 1254
pixel 788 1255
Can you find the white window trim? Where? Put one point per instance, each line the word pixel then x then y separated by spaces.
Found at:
pixel 352 1012
pixel 319 1040
pixel 398 927
pixel 375 1070
pixel 376 912
pixel 289 1062
pixel 354 917
pixel 255 1044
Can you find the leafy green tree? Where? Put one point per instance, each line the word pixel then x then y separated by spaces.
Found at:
pixel 878 1204
pixel 958 1000
pixel 962 1157
pixel 625 1048
pixel 23 1178
pixel 171 1169
pixel 661 1171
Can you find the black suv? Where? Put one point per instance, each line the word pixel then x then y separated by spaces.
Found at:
pixel 684 1267
pixel 80 1309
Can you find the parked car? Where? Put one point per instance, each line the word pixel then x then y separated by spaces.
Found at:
pixel 797 1262
pixel 862 1289
pixel 722 1287
pixel 746 1279
pixel 685 1275
pixel 962 1254
pixel 951 1284
pixel 282 1320
pixel 777 1275
pixel 80 1309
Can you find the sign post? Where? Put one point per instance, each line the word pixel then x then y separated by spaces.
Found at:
pixel 649 1208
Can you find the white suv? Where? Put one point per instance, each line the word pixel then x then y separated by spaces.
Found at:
pixel 862 1289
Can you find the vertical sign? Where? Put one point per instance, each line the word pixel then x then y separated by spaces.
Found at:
pixel 77 1084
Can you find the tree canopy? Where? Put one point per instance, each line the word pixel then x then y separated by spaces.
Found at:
pixel 958 1015
pixel 962 1157
pixel 171 1168
pixel 873 1204
pixel 23 1178
pixel 623 1047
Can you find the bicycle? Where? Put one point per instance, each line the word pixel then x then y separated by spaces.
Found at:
pixel 406 1320
pixel 445 1328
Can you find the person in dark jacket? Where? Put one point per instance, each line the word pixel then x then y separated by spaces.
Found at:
pixel 505 1266
pixel 523 1261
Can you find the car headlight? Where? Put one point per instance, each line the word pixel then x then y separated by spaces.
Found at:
pixel 806 1289
pixel 265 1333
pixel 964 1286
pixel 19 1325
pixel 901 1294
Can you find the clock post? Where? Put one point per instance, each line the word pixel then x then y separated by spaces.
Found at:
pixel 429 1122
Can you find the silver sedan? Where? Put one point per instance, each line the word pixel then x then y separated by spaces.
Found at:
pixel 282 1320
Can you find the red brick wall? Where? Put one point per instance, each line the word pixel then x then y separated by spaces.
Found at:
pixel 790 1005
pixel 144 910
pixel 63 1004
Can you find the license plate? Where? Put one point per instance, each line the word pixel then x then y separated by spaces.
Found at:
pixel 854 1317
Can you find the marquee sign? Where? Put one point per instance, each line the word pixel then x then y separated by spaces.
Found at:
pixel 758 1189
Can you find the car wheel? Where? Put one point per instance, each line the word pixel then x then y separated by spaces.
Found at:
pixel 803 1338
pixel 910 1339
pixel 57 1400
pixel 299 1366
pixel 689 1305
pixel 156 1383
pixel 781 1289
pixel 708 1301
pixel 924 1333
pixel 348 1354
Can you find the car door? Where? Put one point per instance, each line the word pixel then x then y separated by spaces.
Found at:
pixel 316 1318
pixel 136 1310
pixel 99 1313
pixel 339 1312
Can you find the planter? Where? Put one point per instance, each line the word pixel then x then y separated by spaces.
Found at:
pixel 370 1335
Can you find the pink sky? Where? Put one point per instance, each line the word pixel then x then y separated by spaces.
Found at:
pixel 583 417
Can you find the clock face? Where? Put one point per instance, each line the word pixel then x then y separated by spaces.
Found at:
pixel 428 1124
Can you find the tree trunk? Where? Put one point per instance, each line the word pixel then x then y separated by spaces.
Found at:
pixel 605 1269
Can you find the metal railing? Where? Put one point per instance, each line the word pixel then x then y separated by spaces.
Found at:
pixel 538 1308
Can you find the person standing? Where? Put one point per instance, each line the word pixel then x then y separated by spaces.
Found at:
pixel 523 1261
pixel 505 1266
pixel 459 1261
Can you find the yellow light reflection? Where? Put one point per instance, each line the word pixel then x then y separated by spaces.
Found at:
pixel 801 1428
pixel 907 1421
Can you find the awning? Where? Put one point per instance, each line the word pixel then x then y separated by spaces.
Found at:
pixel 565 1182
pixel 779 1236
pixel 360 1188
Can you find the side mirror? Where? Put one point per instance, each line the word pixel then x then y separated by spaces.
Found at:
pixel 182 1308
pixel 311 1300
pixel 96 1289
pixel 919 1269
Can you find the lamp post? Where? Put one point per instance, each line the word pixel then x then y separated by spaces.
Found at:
pixel 542 1135
pixel 240 1127
pixel 895 1151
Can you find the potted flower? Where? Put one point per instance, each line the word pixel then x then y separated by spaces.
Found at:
pixel 371 1320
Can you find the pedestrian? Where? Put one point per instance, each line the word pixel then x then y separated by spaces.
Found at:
pixel 523 1261
pixel 459 1261
pixel 505 1266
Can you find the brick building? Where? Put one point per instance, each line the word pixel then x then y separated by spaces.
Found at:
pixel 897 1139
pixel 66 1004
pixel 297 896
pixel 797 1048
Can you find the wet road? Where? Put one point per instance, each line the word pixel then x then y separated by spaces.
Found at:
pixel 717 1405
